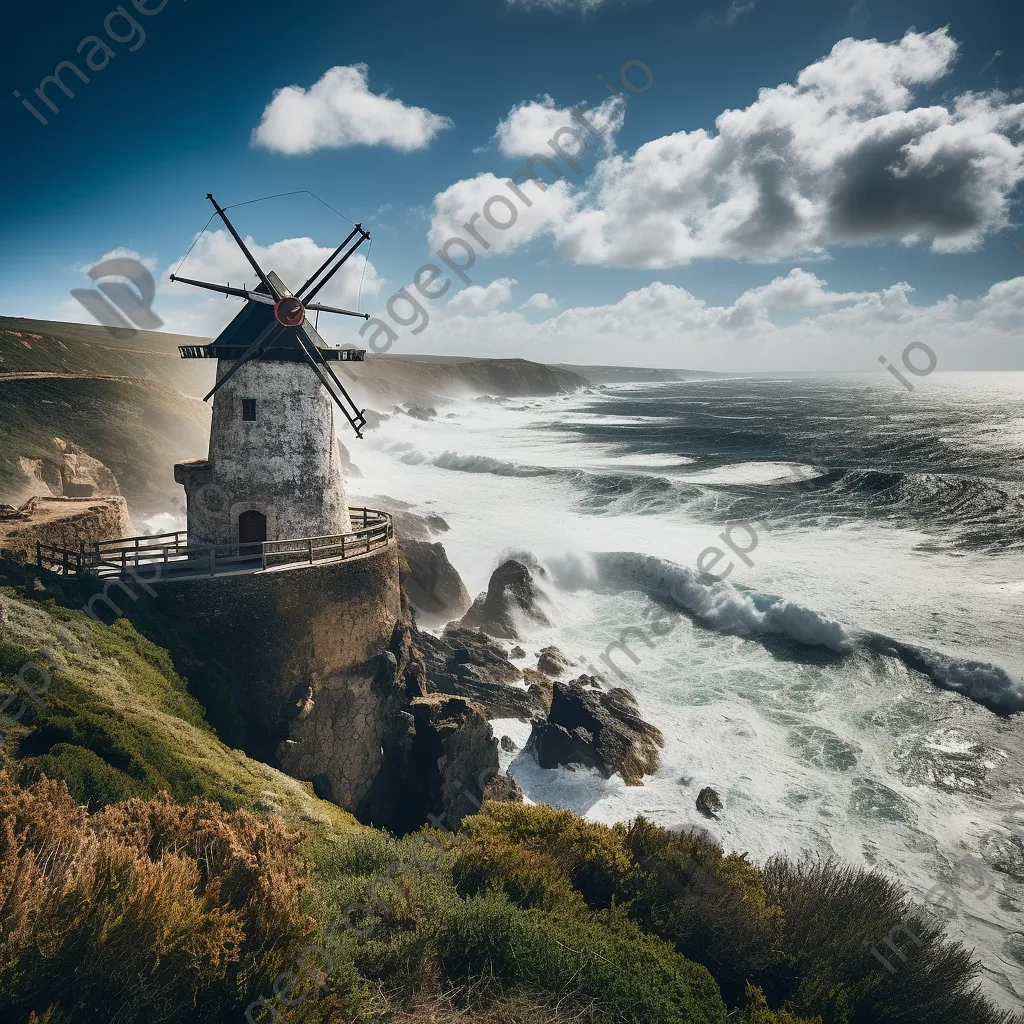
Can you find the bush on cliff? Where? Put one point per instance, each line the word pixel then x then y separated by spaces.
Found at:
pixel 149 910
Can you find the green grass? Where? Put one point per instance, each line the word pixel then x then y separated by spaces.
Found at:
pixel 117 719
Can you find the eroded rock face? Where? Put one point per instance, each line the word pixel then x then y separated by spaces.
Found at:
pixel 433 584
pixel 511 595
pixel 439 757
pixel 599 729
pixel 468 663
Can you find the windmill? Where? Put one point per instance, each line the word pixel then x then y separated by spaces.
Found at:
pixel 275 469
pixel 276 319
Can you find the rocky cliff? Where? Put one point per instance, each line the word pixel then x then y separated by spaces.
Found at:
pixel 65 522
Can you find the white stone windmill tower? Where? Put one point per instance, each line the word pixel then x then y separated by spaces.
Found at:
pixel 274 470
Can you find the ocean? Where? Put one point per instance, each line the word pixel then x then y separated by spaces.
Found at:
pixel 852 684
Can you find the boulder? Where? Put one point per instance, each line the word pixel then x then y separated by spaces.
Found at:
pixel 599 729
pixel 552 662
pixel 468 663
pixel 540 686
pixel 512 597
pixel 708 802
pixel 507 744
pixel 517 652
pixel 433 584
pixel 503 789
pixel 418 412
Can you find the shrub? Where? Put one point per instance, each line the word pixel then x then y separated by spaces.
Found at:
pixel 835 914
pixel 489 863
pixel 712 906
pixel 593 857
pixel 757 1011
pixel 148 910
pixel 603 965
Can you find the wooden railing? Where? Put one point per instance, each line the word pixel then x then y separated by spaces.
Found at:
pixel 173 552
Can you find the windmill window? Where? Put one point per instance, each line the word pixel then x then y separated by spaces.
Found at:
pixel 249 409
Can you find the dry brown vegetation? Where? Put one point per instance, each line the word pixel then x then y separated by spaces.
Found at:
pixel 148 909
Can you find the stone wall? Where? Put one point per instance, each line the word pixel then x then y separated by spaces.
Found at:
pixel 307 645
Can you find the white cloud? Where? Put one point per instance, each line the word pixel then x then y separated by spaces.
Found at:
pixel 479 299
pixel 664 325
pixel 539 300
pixel 217 259
pixel 466 200
pixel 339 110
pixel 841 156
pixel 529 126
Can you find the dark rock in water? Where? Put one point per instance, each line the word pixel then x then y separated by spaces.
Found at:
pixel 708 802
pixel 439 755
pixel 517 652
pixel 433 584
pixel 468 663
pixel 552 662
pixel 540 686
pixel 507 744
pixel 437 524
pixel 503 789
pixel 598 729
pixel 418 412
pixel 510 593
pixel 374 419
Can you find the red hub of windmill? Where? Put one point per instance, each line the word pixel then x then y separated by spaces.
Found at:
pixel 289 312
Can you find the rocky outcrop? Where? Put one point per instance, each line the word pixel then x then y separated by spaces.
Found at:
pixel 512 598
pixel 596 728
pixel 66 523
pixel 439 756
pixel 709 802
pixel 433 584
pixel 539 686
pixel 83 476
pixel 503 789
pixel 552 662
pixel 467 663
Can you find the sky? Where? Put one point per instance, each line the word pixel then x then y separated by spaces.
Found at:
pixel 721 185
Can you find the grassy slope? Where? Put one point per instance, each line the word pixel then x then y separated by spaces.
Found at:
pixel 118 720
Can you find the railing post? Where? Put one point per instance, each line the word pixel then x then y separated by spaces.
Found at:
pixel 364 518
pixel 310 545
pixel 81 556
pixel 39 554
pixel 343 545
pixel 263 554
pixel 213 560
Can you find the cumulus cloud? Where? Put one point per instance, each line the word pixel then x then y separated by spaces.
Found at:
pixel 840 156
pixel 539 300
pixel 216 258
pixel 818 329
pixel 479 299
pixel 339 110
pixel 528 126
pixel 468 201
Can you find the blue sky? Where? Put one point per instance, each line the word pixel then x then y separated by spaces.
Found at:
pixel 828 221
